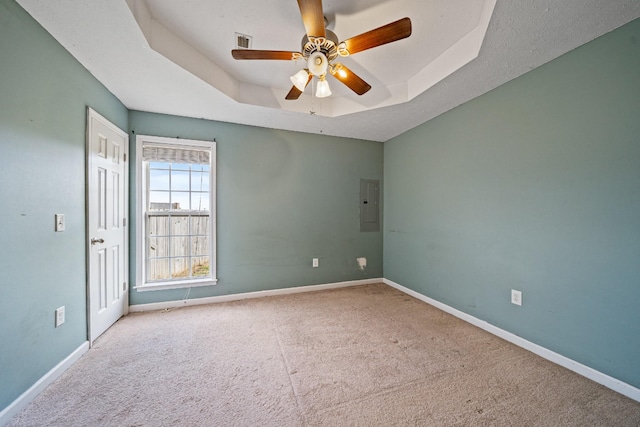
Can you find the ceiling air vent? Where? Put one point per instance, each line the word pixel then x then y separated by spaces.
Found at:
pixel 243 41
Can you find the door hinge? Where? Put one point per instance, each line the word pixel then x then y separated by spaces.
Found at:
pixel 124 286
pixel 125 157
pixel 124 222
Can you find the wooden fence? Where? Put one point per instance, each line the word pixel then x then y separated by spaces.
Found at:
pixel 177 245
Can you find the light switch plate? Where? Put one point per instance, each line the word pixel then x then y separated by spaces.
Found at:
pixel 59 316
pixel 59 222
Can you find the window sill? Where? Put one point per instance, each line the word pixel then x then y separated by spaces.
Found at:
pixel 175 285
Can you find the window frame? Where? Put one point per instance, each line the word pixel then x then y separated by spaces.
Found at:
pixel 141 214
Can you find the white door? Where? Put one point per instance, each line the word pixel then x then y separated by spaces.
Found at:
pixel 107 207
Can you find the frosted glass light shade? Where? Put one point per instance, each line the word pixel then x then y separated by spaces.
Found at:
pixel 317 64
pixel 323 89
pixel 300 80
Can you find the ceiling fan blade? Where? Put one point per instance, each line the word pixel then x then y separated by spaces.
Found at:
pixel 351 79
pixel 264 54
pixel 392 32
pixel 312 17
pixel 295 93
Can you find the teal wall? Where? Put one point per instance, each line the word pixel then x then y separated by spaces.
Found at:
pixel 44 93
pixel 534 186
pixel 283 199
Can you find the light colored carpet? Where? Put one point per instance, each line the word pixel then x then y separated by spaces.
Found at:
pixel 361 356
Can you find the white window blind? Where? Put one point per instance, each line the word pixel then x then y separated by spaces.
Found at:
pixel 176 154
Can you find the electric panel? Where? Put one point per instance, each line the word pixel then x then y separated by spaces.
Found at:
pixel 369 205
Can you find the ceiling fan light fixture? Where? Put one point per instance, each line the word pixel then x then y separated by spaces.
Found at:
pixel 318 63
pixel 323 88
pixel 300 80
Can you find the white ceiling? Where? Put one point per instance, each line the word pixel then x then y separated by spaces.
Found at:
pixel 131 57
pixel 447 36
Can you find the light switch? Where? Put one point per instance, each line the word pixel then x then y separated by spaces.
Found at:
pixel 59 222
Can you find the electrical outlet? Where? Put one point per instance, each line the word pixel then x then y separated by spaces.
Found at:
pixel 516 297
pixel 59 316
pixel 315 263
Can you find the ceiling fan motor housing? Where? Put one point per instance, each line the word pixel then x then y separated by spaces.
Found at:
pixel 319 51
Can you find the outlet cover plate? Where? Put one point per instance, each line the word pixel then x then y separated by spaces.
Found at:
pixel 516 297
pixel 59 316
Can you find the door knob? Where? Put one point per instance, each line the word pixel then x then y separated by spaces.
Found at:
pixel 94 241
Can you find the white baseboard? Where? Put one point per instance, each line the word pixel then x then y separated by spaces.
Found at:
pixel 26 397
pixel 248 295
pixel 597 376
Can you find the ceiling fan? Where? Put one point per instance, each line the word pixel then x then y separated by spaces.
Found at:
pixel 320 47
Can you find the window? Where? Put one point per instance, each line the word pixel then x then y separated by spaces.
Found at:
pixel 176 213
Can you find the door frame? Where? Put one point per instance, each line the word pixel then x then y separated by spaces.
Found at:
pixel 92 114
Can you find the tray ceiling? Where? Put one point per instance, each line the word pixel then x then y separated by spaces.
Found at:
pixel 174 57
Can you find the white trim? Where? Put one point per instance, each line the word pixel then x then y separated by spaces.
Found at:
pixel 139 209
pixel 23 400
pixel 590 373
pixel 248 295
pixel 175 285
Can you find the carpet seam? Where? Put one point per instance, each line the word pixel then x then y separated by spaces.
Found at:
pixel 287 367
